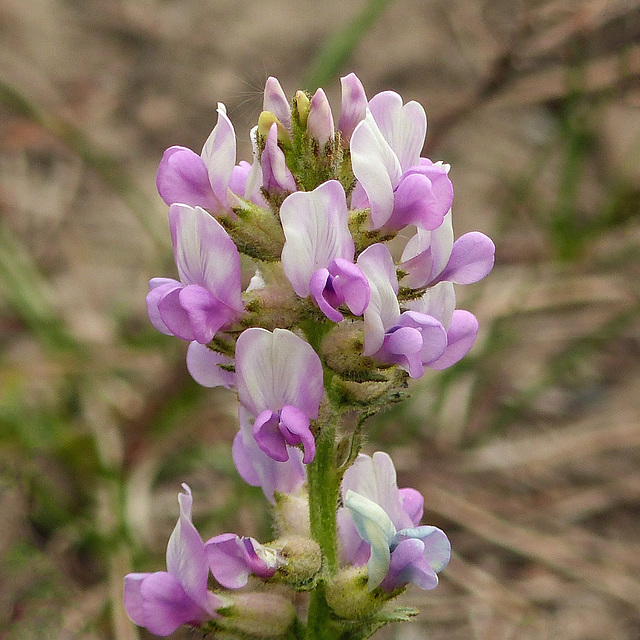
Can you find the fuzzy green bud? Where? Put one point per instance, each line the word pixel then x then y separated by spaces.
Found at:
pixel 258 614
pixel 303 559
pixel 349 596
pixel 291 514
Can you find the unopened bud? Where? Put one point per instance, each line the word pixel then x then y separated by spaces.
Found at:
pixel 266 120
pixel 320 120
pixel 291 514
pixel 349 597
pixel 259 615
pixel 301 107
pixel 301 560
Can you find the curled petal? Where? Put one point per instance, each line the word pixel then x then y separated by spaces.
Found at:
pixel 471 259
pixel 408 565
pixel 185 553
pixel 375 527
pixel 460 338
pixel 377 169
pixel 204 366
pixel 233 559
pixel 268 436
pixel 294 426
pixel 439 301
pixel 415 203
pixel 402 346
pixel 353 285
pixel 219 154
pixel 325 296
pixel 182 177
pixel 437 548
pixel 276 176
pixel 158 289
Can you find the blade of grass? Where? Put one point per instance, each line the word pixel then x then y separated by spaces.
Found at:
pixel 338 49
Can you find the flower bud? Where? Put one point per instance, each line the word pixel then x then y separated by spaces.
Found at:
pixel 258 614
pixel 291 514
pixel 348 596
pixel 266 120
pixel 301 107
pixel 320 120
pixel 301 560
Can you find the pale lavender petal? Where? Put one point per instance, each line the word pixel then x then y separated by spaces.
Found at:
pixel 434 336
pixel 227 560
pixel 174 316
pixel 402 346
pixel 219 154
pixel 206 313
pixel 403 127
pixel 276 176
pixel 415 204
pixel 294 425
pixel 460 338
pixel 276 369
pixel 316 230
pixel 239 176
pixel 320 119
pixel 353 108
pixel 356 550
pixel 383 309
pixel 133 603
pixel 243 461
pixel 412 505
pixel 182 177
pixel 438 301
pixel 185 553
pixel 324 295
pixel 376 167
pixel 268 436
pixel 166 605
pixel 158 289
pixel 353 285
pixel 204 366
pixel 408 565
pixel 441 184
pixel 259 470
pixel 471 259
pixel 437 548
pixel 426 254
pixel 205 254
pixel 276 101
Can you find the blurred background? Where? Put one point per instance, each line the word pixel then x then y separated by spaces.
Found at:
pixel 527 452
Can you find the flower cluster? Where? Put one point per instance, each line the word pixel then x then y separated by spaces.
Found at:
pixel 329 324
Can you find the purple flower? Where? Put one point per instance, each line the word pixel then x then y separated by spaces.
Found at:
pixel 379 526
pixel 200 180
pixel 165 600
pixel 205 367
pixel 318 252
pixel 410 339
pixel 233 559
pixel 432 256
pixel 208 296
pixel 397 185
pixel 280 383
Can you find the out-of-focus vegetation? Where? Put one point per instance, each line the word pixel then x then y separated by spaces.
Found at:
pixel 527 451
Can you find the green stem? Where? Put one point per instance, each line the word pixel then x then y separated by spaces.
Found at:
pixel 323 499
